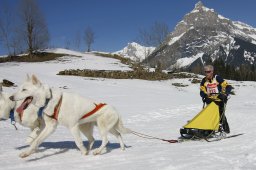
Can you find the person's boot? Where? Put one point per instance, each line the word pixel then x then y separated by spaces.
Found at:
pixel 226 126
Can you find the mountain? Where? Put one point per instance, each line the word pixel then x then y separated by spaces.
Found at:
pixel 135 51
pixel 204 35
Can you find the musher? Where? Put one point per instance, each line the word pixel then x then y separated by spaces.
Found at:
pixel 212 88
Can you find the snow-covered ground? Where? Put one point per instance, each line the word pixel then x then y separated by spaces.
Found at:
pixel 153 107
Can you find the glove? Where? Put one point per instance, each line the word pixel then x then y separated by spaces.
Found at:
pixel 207 100
pixel 223 97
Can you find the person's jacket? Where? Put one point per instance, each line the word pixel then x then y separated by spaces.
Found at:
pixel 216 85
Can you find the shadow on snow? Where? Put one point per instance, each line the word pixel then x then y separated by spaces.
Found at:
pixel 64 146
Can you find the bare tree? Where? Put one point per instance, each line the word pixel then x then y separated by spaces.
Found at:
pixel 77 40
pixel 6 26
pixel 32 26
pixel 16 42
pixel 155 35
pixel 67 44
pixel 89 38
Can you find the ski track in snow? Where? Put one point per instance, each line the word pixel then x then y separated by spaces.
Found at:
pixel 152 107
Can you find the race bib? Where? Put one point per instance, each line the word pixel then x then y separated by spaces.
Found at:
pixel 212 88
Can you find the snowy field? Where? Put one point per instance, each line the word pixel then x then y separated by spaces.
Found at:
pixel 153 107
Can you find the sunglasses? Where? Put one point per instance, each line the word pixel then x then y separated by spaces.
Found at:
pixel 207 71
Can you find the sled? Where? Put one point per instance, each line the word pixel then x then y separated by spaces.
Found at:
pixel 204 124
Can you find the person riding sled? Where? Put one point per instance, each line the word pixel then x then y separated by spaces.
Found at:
pixel 214 88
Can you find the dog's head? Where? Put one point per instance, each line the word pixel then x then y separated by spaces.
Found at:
pixel 32 91
pixel 6 105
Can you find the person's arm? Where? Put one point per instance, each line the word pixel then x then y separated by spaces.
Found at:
pixel 203 92
pixel 225 87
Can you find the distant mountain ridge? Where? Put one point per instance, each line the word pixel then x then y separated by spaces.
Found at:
pixel 204 35
pixel 135 51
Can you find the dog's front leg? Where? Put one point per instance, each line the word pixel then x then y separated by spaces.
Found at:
pixel 35 130
pixel 78 140
pixel 32 136
pixel 50 126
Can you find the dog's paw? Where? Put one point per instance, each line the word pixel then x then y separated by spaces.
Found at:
pixel 24 155
pixel 99 151
pixel 96 152
pixel 85 153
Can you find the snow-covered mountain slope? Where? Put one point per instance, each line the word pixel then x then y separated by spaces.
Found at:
pixel 135 51
pixel 152 107
pixel 204 31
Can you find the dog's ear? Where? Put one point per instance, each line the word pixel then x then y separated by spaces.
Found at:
pixel 35 80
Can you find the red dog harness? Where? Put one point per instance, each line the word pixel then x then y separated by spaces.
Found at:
pixel 97 107
pixel 57 109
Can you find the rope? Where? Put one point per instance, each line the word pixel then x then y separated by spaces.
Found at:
pixel 14 124
pixel 153 137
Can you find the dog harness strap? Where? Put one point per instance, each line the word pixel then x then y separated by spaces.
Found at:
pixel 57 109
pixel 12 116
pixel 13 122
pixel 97 107
pixel 41 109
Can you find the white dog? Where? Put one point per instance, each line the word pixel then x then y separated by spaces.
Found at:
pixel 21 113
pixel 72 111
pixel 26 114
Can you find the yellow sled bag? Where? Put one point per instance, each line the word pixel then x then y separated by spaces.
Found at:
pixel 207 119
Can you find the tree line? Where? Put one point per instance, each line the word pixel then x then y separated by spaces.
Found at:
pixel 25 29
pixel 241 73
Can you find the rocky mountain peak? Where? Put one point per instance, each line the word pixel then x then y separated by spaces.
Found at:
pixel 199 5
pixel 201 17
pixel 204 35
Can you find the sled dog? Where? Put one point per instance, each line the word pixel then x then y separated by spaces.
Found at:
pixel 22 113
pixel 74 112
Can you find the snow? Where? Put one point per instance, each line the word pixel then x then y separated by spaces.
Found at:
pixel 207 9
pixel 253 41
pixel 186 61
pixel 156 108
pixel 249 56
pixel 72 60
pixel 240 30
pixel 199 6
pixel 222 17
pixel 174 39
pixel 135 51
pixel 3 56
pixel 242 25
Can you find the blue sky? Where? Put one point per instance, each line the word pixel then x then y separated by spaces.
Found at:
pixel 117 22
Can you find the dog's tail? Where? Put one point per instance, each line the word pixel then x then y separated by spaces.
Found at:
pixel 120 127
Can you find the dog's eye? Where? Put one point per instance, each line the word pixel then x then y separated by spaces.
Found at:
pixel 24 89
